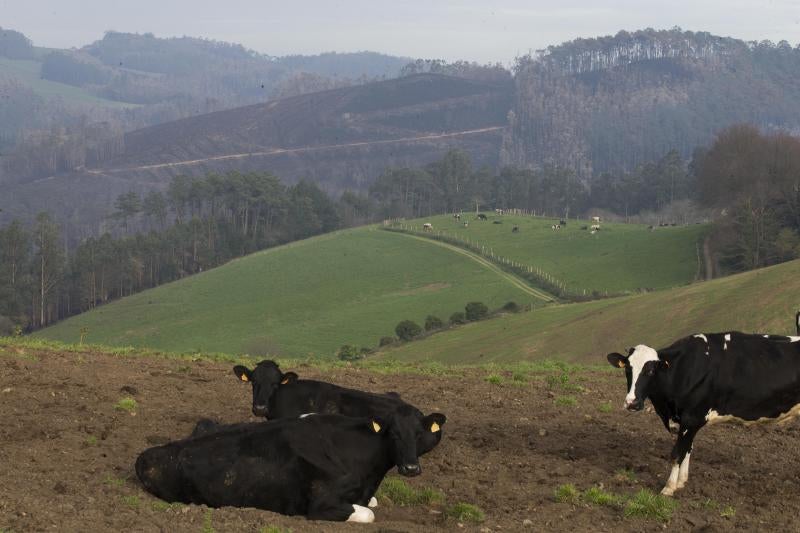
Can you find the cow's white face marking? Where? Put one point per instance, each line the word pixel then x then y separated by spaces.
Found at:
pixel 641 355
pixel 362 515
pixel 701 336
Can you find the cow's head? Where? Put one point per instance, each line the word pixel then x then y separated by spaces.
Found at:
pixel 640 366
pixel 410 435
pixel 266 377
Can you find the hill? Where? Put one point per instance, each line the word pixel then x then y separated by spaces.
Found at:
pixel 306 298
pixel 620 257
pixel 340 138
pixel 758 301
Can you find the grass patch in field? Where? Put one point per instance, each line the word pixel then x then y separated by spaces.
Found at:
pixel 567 401
pixel 114 481
pixel 625 474
pixel 729 511
pixel 126 404
pixel 466 512
pixel 131 501
pixel 91 440
pixel 604 407
pixel 646 504
pixel 494 379
pixel 567 493
pixel 519 377
pixel 598 496
pixel 401 493
pixel 207 527
pixel 161 505
pixel 274 529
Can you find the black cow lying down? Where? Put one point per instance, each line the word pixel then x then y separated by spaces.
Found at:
pixel 325 467
pixel 277 395
pixel 710 378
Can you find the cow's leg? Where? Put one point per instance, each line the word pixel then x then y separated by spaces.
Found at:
pixel 333 501
pixel 680 460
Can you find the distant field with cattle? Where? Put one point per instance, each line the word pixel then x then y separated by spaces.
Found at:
pixel 304 299
pixel 353 287
pixel 762 300
pixel 617 258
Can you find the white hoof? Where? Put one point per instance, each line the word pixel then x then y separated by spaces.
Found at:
pixel 667 491
pixel 373 502
pixel 362 515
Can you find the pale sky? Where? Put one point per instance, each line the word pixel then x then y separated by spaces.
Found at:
pixel 479 30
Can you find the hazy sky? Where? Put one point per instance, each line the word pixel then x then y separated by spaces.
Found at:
pixel 481 30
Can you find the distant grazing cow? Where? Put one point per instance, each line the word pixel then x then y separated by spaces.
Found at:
pixel 498 211
pixel 283 395
pixel 324 467
pixel 562 222
pixel 457 216
pixel 596 220
pixel 481 216
pixel 709 378
pixel 427 226
pixel 555 227
pixel 515 229
pixel 595 227
pixel 466 224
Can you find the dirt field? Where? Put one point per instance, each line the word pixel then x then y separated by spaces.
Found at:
pixel 66 453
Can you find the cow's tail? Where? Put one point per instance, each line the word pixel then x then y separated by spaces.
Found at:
pixel 797 322
pixel 158 470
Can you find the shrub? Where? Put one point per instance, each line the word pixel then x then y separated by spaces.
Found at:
pixel 476 311
pixel 458 318
pixel 407 330
pixel 386 341
pixel 348 352
pixel 511 307
pixel 433 322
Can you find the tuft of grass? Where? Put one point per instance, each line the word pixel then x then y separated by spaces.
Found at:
pixel 566 493
pixel 114 481
pixel 729 511
pixel 91 440
pixel 466 512
pixel 207 527
pixel 274 529
pixel 126 404
pixel 401 493
pixel 161 505
pixel 646 504
pixel 495 379
pixel 598 496
pixel 131 501
pixel 625 474
pixel 519 377
pixel 604 407
pixel 568 401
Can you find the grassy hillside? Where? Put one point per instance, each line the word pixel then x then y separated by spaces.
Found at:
pixel 29 73
pixel 762 301
pixel 621 257
pixel 306 298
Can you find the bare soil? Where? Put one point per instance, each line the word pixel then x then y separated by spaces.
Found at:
pixel 67 454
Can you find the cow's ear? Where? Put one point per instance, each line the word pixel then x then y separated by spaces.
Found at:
pixel 243 373
pixel 288 377
pixel 668 356
pixel 434 422
pixel 377 425
pixel 617 359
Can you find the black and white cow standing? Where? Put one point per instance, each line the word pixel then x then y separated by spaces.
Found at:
pixel 710 378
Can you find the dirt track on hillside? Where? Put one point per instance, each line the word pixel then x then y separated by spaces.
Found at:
pixel 66 455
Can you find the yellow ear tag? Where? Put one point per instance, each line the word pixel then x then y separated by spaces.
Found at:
pixel 285 381
pixel 244 377
pixel 376 427
pixel 621 364
pixel 435 427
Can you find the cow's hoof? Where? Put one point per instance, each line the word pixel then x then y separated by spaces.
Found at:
pixel 373 502
pixel 667 491
pixel 361 514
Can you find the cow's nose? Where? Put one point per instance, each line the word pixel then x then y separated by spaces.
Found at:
pixel 260 410
pixel 410 470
